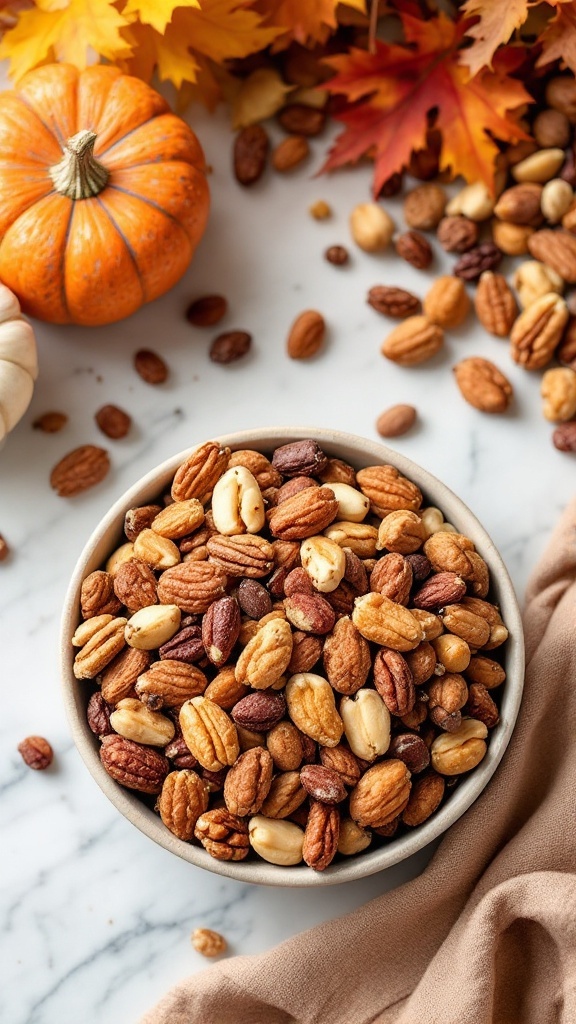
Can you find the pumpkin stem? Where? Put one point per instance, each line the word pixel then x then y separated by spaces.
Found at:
pixel 79 175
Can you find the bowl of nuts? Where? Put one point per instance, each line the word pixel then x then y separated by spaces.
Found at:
pixel 292 657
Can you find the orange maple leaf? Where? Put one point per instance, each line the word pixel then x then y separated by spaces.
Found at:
pixel 496 21
pixel 217 31
pixel 305 21
pixel 559 38
pixel 393 90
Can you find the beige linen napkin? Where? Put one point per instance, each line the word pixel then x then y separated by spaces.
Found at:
pixel 487 933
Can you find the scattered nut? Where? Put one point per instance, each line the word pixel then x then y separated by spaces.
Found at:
pixel 337 255
pixel 557 195
pixel 50 422
pixel 473 263
pixel 558 389
pixel 4 549
pixel 540 166
pixel 474 202
pixel 228 347
pixel 564 437
pixel 306 335
pixel 533 279
pixel 447 303
pixel 208 943
pixel 551 128
pixel 113 422
pixel 320 210
pixel 80 469
pixel 457 234
pixel 36 752
pixel 424 207
pixel 396 421
pixel 415 249
pixel 371 227
pixel 207 310
pixel 150 366
pixel 394 302
pixel 250 154
pixel 290 153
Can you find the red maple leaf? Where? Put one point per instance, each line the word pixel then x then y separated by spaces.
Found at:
pixel 392 91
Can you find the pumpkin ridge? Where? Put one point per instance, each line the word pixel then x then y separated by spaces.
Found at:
pixel 149 202
pixel 30 109
pixel 129 248
pixel 63 264
pixel 136 128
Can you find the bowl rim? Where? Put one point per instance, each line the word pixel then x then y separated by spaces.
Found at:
pixel 355 449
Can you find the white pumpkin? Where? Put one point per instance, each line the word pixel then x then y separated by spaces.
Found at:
pixel 18 362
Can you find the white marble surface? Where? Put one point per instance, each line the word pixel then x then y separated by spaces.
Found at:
pixel 96 919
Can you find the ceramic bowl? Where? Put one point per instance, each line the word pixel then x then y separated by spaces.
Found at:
pixel 359 452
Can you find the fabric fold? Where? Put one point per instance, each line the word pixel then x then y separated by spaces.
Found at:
pixel 487 933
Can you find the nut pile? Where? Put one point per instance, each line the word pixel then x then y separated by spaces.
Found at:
pixel 533 214
pixel 289 656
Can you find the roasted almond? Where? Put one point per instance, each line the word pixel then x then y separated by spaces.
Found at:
pixel 306 336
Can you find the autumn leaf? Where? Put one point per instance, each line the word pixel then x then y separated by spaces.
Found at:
pixel 65 33
pixel 497 20
pixel 259 96
pixel 217 31
pixel 392 91
pixel 559 38
pixel 157 13
pixel 305 21
pixel 151 51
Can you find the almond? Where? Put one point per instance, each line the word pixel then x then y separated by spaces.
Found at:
pixel 396 421
pixel 306 335
pixel 290 153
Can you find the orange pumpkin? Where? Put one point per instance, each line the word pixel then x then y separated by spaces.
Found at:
pixel 103 194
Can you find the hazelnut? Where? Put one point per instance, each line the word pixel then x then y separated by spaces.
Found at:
pixel 552 128
pixel 424 207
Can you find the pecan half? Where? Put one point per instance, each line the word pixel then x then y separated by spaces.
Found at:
pixel 133 765
pixel 183 799
pixel 393 302
pixel 321 835
pixel 248 782
pixel 393 680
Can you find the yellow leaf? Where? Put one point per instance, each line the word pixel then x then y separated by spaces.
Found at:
pixel 260 96
pixel 30 42
pixel 157 13
pixel 167 53
pixel 222 29
pixel 218 30
pixel 68 34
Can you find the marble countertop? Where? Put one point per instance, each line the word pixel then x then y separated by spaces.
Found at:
pixel 96 918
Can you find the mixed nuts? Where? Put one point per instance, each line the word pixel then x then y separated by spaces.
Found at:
pixel 289 656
